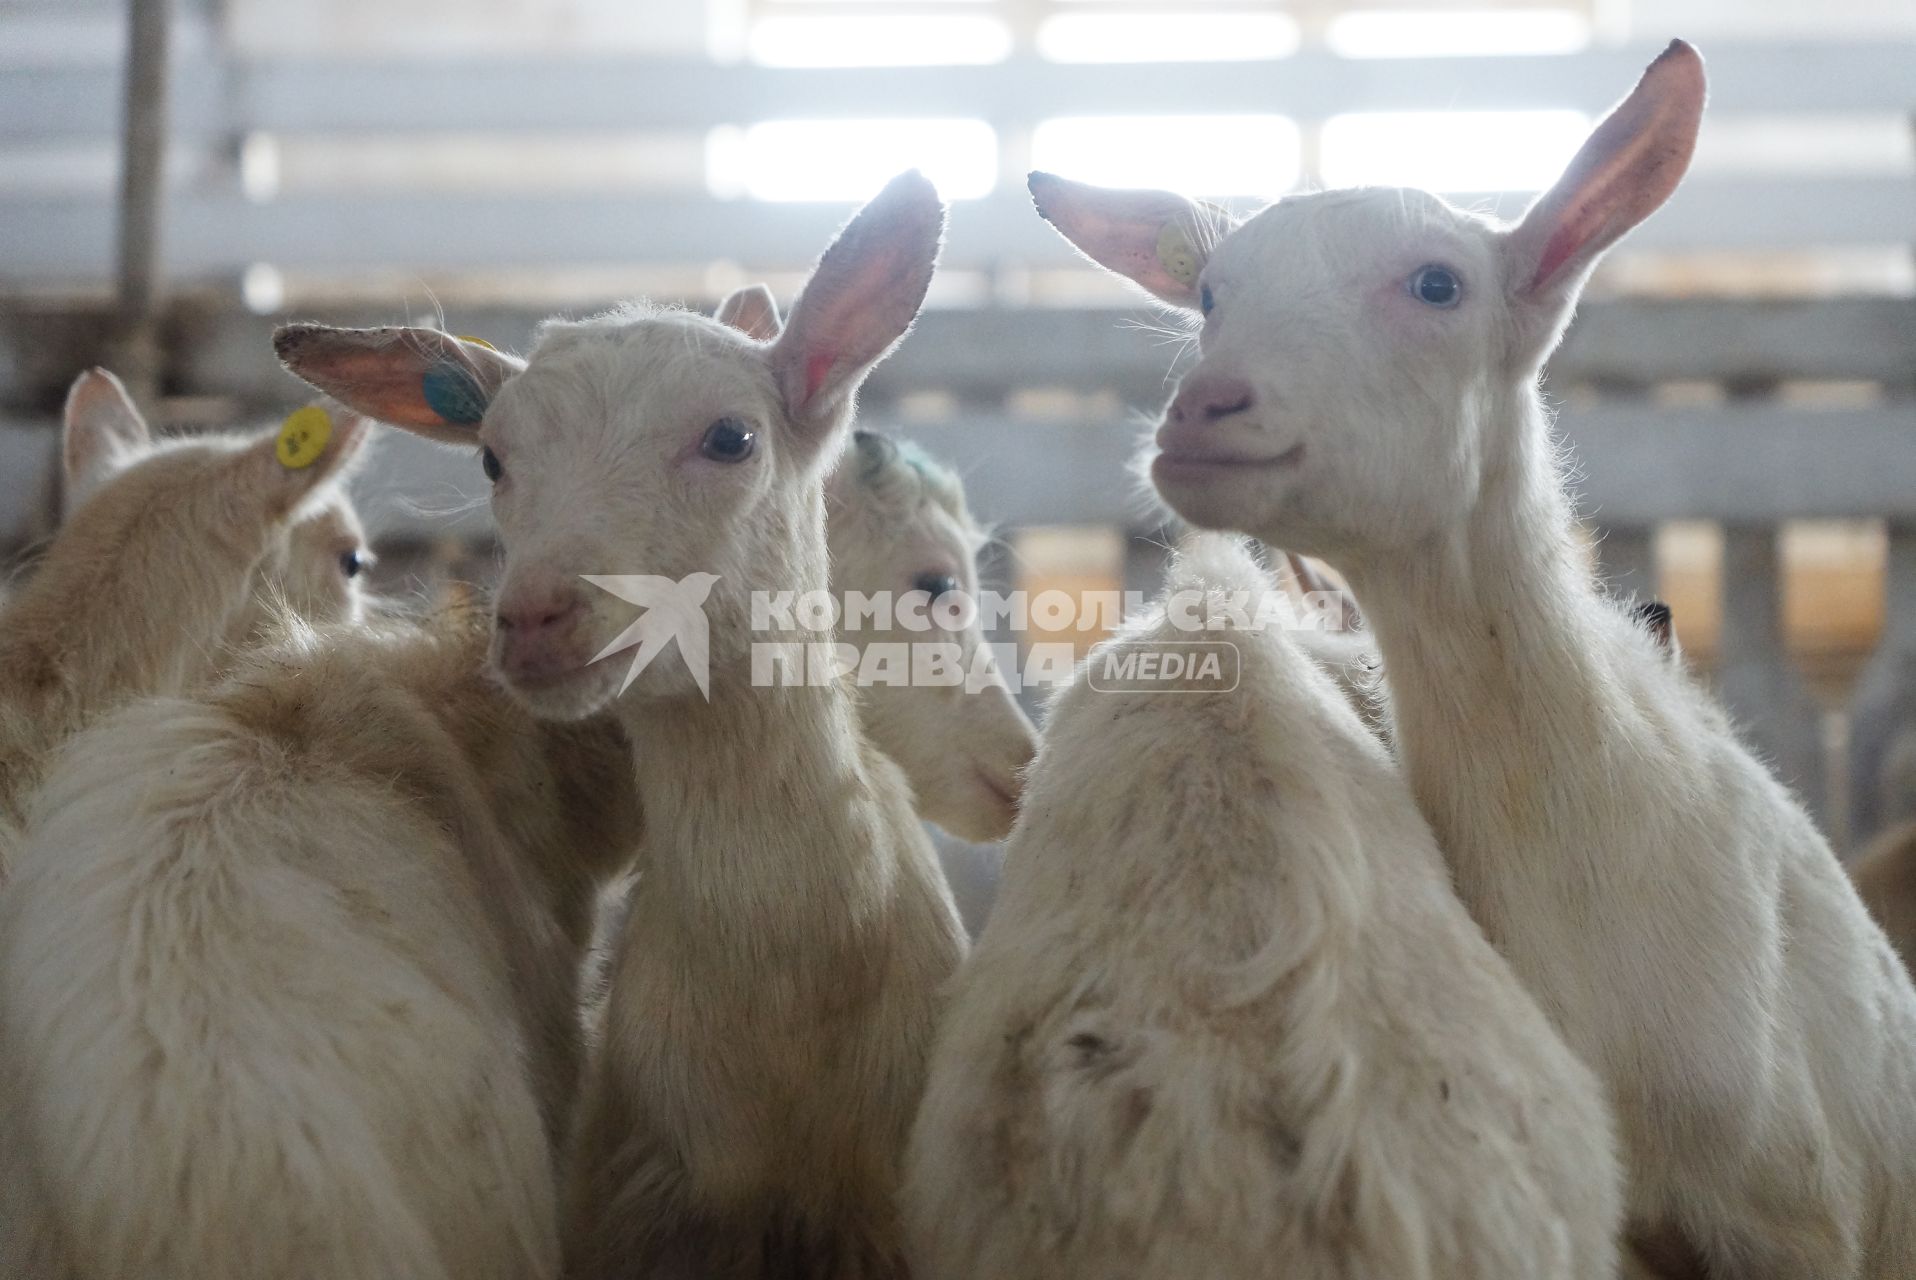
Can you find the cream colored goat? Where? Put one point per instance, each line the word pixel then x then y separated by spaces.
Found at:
pixel 160 560
pixel 1228 1018
pixel 1368 393
pixel 312 573
pixel 312 564
pixel 289 972
pixel 897 523
pixel 775 990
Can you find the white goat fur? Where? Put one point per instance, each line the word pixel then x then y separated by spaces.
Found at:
pixel 1667 901
pixel 774 993
pixel 1228 1013
pixel 895 516
pixel 289 973
pixel 166 551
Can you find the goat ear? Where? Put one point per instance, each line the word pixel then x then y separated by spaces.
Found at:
pixel 1656 618
pixel 1623 174
pixel 100 429
pixel 1158 240
pixel 752 311
pixel 425 381
pixel 860 301
pixel 314 447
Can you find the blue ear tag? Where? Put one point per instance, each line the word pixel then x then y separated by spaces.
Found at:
pixel 453 394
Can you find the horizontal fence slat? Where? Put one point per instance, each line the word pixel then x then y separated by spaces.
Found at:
pixel 211 236
pixel 980 357
pixel 1752 464
pixel 587 93
pixel 1640 465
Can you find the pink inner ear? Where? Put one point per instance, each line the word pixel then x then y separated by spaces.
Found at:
pixel 1627 168
pixel 817 369
pixel 1564 242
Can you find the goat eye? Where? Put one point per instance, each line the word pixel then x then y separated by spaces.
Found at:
pixel 1436 286
pixel 728 440
pixel 489 463
pixel 1205 300
pixel 935 584
pixel 350 563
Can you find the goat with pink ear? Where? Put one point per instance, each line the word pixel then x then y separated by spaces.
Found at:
pixel 1367 393
pixel 775 986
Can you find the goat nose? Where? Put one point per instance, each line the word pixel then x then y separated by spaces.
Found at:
pixel 1208 399
pixel 542 612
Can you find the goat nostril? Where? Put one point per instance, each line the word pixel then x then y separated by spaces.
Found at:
pixel 1214 411
pixel 550 617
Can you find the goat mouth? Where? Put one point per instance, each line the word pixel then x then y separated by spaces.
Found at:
pixel 998 789
pixel 1195 465
pixel 547 686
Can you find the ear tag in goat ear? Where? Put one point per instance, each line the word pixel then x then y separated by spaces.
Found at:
pixel 1177 254
pixel 303 437
pixel 453 394
pixel 477 342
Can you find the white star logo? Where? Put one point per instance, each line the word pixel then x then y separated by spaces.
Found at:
pixel 673 611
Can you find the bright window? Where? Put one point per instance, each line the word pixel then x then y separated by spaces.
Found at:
pixel 880 40
pixel 1166 37
pixel 1413 33
pixel 1451 150
pixel 850 159
pixel 1195 155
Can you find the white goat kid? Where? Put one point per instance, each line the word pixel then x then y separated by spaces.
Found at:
pixel 1368 393
pixel 897 523
pixel 1228 1015
pixel 165 552
pixel 775 990
pixel 289 973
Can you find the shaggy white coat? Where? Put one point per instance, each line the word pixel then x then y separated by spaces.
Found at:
pixel 775 990
pixel 289 973
pixel 1228 1018
pixel 1666 900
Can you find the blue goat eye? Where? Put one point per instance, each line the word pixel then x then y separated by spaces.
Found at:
pixel 1205 300
pixel 1436 287
pixel 728 440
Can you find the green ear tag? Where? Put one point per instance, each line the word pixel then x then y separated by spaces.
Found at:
pixel 303 437
pixel 1178 255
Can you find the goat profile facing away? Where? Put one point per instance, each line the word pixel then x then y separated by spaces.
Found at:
pixel 1228 1019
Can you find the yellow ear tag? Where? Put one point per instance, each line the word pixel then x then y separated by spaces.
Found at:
pixel 1178 255
pixel 477 342
pixel 303 437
